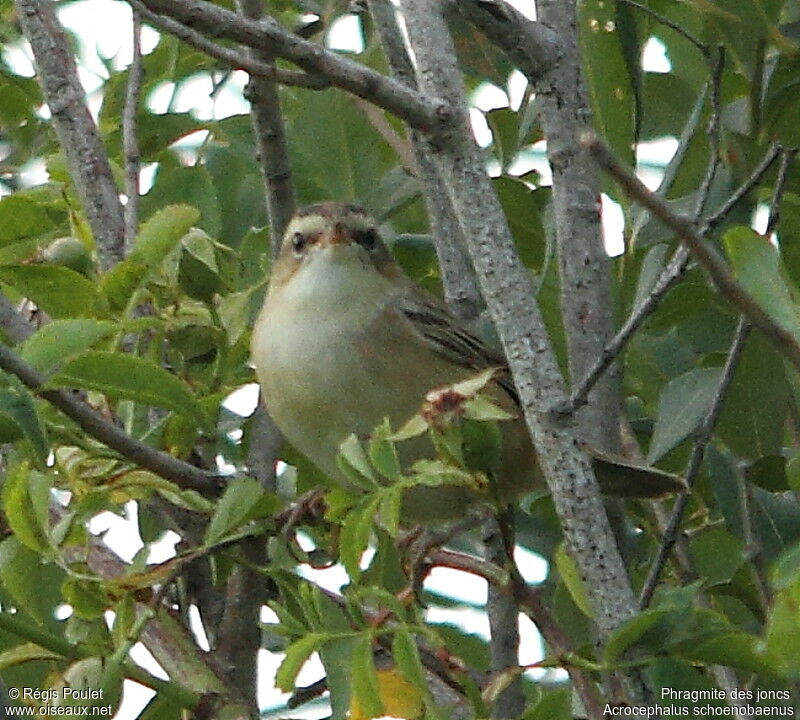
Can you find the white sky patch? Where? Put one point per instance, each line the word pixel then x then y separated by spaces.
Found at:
pixel 656 154
pixel 489 97
pixel 345 34
pixel 120 534
pixel 760 219
pixel 517 85
pixel 243 401
pixel 526 7
pixel 613 221
pixel 480 128
pixel 654 57
pixel 532 566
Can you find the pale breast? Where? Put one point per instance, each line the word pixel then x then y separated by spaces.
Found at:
pixel 323 380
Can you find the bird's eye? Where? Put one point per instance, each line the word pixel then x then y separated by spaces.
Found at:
pixel 368 239
pixel 299 243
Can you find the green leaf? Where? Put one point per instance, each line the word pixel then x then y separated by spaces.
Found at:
pixel 754 412
pixel 555 705
pixel 717 555
pixel 353 461
pixel 356 532
pixel 757 266
pixel 59 291
pixel 17 405
pixel 127 377
pixel 382 453
pixel 198 273
pixel 365 686
pixel 390 507
pixel 21 573
pixel 504 124
pixel 684 404
pixel 22 218
pixel 155 239
pixel 607 77
pixel 525 209
pixel 25 653
pixel 180 185
pixel 87 598
pixel 782 639
pixel 239 500
pixel 406 655
pixel 20 511
pixel 56 342
pixel 236 311
pixel 572 580
pixel 734 649
pixel 296 655
pixel 769 472
pixel 346 154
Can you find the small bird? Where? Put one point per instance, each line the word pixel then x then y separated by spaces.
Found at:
pixel 345 339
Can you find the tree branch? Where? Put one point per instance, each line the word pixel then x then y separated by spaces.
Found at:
pixel 658 17
pixel 787 157
pixel 528 599
pixel 270 134
pixel 707 256
pixel 270 36
pixel 702 438
pixel 130 139
pixel 713 220
pixel 586 306
pixel 460 285
pixel 233 58
pixel 76 130
pixel 157 461
pixel 507 289
pixel 664 283
pixel 533 47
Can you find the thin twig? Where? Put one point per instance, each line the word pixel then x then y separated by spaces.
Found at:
pixel 663 20
pixel 752 544
pixel 669 276
pixel 528 598
pixel 717 67
pixel 787 156
pixel 130 139
pixel 641 312
pixel 673 271
pixel 714 265
pixel 713 220
pixel 157 461
pixel 233 58
pixel 702 437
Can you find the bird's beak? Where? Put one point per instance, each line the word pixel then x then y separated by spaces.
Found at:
pixel 338 235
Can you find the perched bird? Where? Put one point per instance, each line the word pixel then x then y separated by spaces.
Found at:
pixel 345 339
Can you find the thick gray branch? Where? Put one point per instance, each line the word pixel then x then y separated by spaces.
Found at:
pixel 507 289
pixel 76 130
pixel 586 306
pixel 458 276
pixel 270 36
pixel 270 133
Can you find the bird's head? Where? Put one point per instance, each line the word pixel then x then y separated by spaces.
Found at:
pixel 332 233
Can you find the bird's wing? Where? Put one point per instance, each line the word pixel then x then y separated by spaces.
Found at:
pixel 448 337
